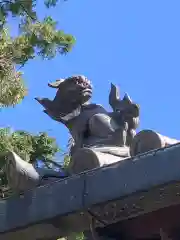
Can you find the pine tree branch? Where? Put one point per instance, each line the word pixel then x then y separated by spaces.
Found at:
pixel 22 6
pixel 28 14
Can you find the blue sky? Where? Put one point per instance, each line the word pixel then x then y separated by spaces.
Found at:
pixel 134 44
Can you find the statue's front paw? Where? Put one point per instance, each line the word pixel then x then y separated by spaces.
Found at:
pixel 119 137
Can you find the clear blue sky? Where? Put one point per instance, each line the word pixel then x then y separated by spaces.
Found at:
pixel 135 44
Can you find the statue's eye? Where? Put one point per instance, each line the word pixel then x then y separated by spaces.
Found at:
pixel 79 81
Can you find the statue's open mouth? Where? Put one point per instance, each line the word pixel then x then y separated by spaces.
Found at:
pixel 87 90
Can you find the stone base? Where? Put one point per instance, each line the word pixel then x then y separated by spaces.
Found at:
pixel 89 158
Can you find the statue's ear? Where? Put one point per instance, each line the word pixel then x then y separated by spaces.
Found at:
pixel 56 84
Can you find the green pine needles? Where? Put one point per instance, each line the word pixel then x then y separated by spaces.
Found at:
pixel 36 37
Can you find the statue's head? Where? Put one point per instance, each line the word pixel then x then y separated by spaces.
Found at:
pixel 72 93
pixel 76 89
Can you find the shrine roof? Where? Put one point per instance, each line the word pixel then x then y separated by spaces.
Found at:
pixel 43 212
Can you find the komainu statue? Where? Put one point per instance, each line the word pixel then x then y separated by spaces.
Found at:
pixel 99 137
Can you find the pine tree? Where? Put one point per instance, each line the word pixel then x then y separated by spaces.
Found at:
pixel 37 38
